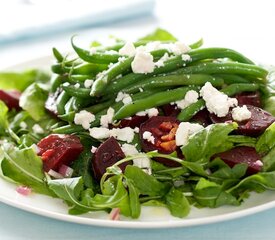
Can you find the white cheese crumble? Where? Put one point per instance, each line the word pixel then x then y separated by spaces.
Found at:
pixel 185 130
pixel 190 97
pixel 259 163
pixel 88 83
pixel 77 85
pixel 93 149
pixel 241 113
pixel 142 162
pixel 179 48
pixel 121 59
pixel 124 97
pixel 35 148
pixel 66 84
pixel 23 125
pixel 106 119
pixel 143 63
pixel 185 57
pixel 216 101
pixel 84 118
pixel 148 136
pixel 92 50
pixel 151 112
pixel 37 129
pixel 123 134
pixel 160 62
pixel 128 50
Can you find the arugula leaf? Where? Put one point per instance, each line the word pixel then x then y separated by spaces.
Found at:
pixel 20 81
pixel 267 140
pixel 204 144
pixel 133 199
pixel 257 182
pixel 33 100
pixel 159 35
pixel 146 184
pixel 210 194
pixel 269 161
pixel 177 203
pixel 23 167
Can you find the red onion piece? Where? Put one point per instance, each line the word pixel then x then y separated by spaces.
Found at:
pixel 115 214
pixel 65 171
pixel 24 190
pixel 55 174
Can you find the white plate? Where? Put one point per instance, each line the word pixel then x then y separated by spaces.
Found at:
pixel 150 217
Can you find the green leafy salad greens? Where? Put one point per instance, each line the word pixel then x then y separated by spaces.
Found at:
pixel 91 81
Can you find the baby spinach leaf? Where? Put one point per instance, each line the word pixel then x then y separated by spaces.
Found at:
pixel 269 161
pixel 177 203
pixel 146 184
pixel 23 166
pixel 207 142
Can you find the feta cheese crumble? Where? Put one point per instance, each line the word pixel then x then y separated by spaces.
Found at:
pixel 151 112
pixel 106 119
pixel 23 125
pixel 216 101
pixel 77 85
pixel 241 113
pixel 190 97
pixel 143 63
pixel 128 50
pixel 160 62
pixel 142 162
pixel 185 130
pixel 88 83
pixel 124 97
pixel 37 129
pixel 148 136
pixel 185 57
pixel 123 134
pixel 179 48
pixel 93 150
pixel 84 118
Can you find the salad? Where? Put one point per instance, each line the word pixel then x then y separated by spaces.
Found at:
pixel 154 122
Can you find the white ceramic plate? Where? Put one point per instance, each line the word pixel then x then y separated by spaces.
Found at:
pixel 150 217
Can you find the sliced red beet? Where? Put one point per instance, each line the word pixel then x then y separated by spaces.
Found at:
pixel 134 121
pixel 247 155
pixel 58 149
pixel 202 117
pixel 170 110
pixel 106 155
pixel 255 126
pixel 249 98
pixel 163 130
pixel 11 98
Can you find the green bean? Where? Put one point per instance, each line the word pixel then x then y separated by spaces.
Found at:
pixel 77 92
pixel 69 129
pixel 173 80
pixel 57 55
pixel 175 63
pixel 81 69
pixel 187 113
pixel 56 81
pixel 116 70
pixel 79 78
pixel 230 68
pixel 61 102
pixel 155 100
pixel 69 105
pixel 95 57
pixel 232 78
pixel 68 117
pixel 239 87
pixel 100 106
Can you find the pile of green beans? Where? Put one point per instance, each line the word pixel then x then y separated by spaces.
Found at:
pixel 225 69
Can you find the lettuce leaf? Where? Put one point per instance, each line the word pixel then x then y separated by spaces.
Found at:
pixel 33 100
pixel 207 142
pixel 159 35
pixel 21 80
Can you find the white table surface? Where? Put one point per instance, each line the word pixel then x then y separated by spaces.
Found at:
pixel 247 26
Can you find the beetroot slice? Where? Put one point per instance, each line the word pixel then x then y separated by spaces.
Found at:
pixel 255 126
pixel 170 110
pixel 247 155
pixel 11 98
pixel 134 121
pixel 106 155
pixel 163 130
pixel 58 149
pixel 249 98
pixel 202 117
